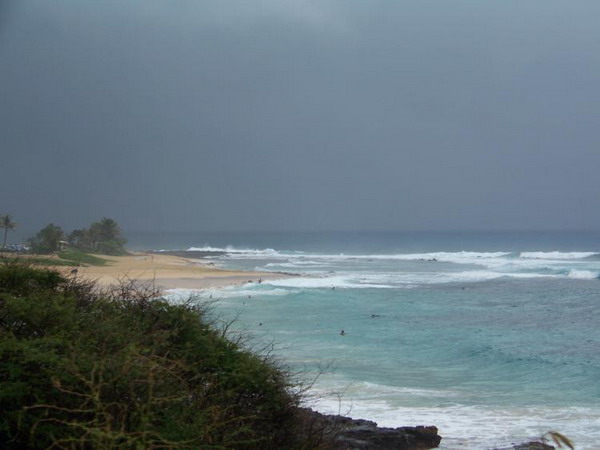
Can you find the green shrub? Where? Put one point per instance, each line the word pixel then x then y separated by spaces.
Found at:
pixel 123 369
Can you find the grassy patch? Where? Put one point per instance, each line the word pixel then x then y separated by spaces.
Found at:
pixel 76 257
pixel 41 261
pixel 69 257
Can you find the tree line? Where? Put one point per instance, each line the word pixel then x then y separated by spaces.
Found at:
pixel 103 237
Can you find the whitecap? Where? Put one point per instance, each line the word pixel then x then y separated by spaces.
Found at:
pixel 296 264
pixel 557 255
pixel 459 257
pixel 322 282
pixel 583 274
pixel 236 251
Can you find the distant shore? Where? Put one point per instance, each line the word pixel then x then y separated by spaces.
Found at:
pixel 167 270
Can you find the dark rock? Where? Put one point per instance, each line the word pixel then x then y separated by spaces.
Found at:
pixel 345 433
pixel 533 445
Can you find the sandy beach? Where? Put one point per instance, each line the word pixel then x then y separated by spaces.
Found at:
pixel 168 272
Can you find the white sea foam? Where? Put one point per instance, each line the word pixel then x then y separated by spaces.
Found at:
pixel 329 282
pixel 224 293
pixel 461 256
pixel 239 251
pixel 458 257
pixel 583 274
pixel 295 264
pixel 461 425
pixel 557 255
pixel 397 279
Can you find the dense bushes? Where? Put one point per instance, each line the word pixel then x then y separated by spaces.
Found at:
pixel 86 369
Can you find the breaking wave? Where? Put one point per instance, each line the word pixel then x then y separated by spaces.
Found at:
pixel 326 270
pixel 459 256
pixel 232 250
pixel 462 423
pixel 583 274
pixel 557 255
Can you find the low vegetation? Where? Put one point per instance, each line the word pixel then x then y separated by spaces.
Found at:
pixel 43 260
pixel 83 368
pixel 75 257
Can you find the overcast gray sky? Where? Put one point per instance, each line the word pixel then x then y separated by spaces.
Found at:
pixel 301 115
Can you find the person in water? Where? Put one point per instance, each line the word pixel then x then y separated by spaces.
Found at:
pixel 342 333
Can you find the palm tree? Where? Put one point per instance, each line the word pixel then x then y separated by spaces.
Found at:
pixel 6 223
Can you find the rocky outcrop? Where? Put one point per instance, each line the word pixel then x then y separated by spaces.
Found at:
pixel 345 433
pixel 534 445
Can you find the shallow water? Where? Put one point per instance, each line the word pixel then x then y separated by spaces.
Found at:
pixel 493 345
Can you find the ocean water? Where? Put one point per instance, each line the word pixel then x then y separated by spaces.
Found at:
pixel 492 337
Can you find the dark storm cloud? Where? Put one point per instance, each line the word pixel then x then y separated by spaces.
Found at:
pixel 301 114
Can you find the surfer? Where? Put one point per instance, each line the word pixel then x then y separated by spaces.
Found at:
pixel 342 333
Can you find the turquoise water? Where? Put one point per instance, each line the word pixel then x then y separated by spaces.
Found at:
pixel 492 337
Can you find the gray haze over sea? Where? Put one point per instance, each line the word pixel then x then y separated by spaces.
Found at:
pixel 301 114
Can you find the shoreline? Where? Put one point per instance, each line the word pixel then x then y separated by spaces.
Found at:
pixel 167 271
